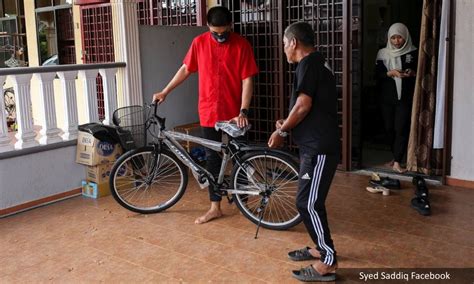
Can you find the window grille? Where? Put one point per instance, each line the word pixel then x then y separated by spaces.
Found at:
pixel 98 42
pixel 171 12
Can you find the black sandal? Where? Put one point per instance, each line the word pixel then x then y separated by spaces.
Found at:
pixel 421 205
pixel 301 255
pixel 309 274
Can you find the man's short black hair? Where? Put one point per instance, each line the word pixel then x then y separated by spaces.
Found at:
pixel 302 32
pixel 219 16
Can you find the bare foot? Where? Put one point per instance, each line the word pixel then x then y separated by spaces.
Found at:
pixel 323 268
pixel 210 215
pixel 314 252
pixel 398 168
pixel 389 164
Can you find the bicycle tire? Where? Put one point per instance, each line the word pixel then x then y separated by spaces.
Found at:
pixel 272 171
pixel 128 179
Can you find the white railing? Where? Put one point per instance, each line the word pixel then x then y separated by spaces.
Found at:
pixel 21 79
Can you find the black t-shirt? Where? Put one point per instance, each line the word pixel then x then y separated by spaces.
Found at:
pixel 317 133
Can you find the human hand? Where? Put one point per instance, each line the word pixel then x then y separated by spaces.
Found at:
pixel 159 97
pixel 279 123
pixel 275 140
pixel 410 73
pixel 241 121
pixel 396 73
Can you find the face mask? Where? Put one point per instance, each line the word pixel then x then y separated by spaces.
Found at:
pixel 221 38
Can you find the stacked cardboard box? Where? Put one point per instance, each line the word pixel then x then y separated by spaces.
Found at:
pixel 95 190
pixel 92 152
pixel 98 157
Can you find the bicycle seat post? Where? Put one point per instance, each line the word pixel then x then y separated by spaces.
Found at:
pixel 225 138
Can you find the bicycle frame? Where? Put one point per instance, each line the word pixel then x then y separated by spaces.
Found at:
pixel 202 176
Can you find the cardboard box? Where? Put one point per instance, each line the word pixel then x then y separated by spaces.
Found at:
pixel 95 190
pixel 91 152
pixel 99 173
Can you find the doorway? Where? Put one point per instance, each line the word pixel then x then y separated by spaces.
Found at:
pixel 378 15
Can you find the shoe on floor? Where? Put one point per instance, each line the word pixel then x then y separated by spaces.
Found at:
pixel 375 176
pixel 421 205
pixel 309 274
pixel 421 190
pixel 376 189
pixel 301 255
pixel 386 182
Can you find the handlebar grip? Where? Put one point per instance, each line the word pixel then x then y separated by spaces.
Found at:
pixel 156 107
pixel 161 120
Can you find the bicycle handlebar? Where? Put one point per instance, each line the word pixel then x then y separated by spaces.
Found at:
pixel 161 120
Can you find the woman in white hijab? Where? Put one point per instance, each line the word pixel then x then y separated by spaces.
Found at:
pixel 396 75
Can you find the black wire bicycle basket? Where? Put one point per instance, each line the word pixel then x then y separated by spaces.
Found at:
pixel 131 122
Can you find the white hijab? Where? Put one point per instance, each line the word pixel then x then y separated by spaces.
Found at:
pixel 391 56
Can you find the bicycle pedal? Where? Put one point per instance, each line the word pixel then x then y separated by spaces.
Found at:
pixel 230 199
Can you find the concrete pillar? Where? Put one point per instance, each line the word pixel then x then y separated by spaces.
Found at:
pixel 127 49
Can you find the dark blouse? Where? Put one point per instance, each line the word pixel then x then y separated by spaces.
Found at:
pixel 386 87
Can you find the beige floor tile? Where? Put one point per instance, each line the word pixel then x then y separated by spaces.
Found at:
pixel 83 240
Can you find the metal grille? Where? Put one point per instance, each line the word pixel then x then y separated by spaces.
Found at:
pixel 97 33
pixel 262 22
pixel 98 42
pixel 12 38
pixel 259 22
pixel 171 13
pixel 327 20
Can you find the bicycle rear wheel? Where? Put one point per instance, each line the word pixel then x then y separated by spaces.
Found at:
pixel 274 174
pixel 145 183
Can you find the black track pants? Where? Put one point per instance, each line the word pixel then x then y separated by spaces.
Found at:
pixel 213 160
pixel 315 177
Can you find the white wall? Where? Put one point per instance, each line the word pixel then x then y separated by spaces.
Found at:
pixel 35 176
pixel 462 164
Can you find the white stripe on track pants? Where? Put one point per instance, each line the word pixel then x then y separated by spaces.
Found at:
pixel 315 177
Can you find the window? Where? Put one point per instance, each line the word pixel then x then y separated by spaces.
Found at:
pixel 12 34
pixel 55 29
pixel 49 3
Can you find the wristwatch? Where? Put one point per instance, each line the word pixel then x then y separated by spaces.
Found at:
pixel 282 133
pixel 244 112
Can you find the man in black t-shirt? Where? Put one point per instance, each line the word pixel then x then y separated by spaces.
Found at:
pixel 313 124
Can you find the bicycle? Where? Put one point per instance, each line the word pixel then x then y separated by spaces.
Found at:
pixel 152 178
pixel 10 109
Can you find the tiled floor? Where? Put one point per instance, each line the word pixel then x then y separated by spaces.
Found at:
pixel 86 240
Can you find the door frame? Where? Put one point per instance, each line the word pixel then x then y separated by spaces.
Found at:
pixel 448 108
pixel 347 91
pixel 346 160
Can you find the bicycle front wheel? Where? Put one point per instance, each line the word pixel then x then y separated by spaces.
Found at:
pixel 272 175
pixel 145 182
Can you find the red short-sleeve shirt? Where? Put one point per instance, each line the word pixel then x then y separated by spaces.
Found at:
pixel 221 67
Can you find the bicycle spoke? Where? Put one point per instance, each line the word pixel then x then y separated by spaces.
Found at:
pixel 275 177
pixel 148 183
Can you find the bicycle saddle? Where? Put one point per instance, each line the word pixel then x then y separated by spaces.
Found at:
pixel 231 128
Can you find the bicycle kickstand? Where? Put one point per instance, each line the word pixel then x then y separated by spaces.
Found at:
pixel 261 211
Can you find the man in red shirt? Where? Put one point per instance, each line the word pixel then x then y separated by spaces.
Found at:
pixel 226 64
